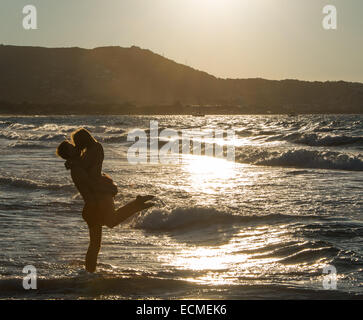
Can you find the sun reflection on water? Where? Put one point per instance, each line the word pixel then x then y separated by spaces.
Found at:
pixel 209 175
pixel 237 261
pixel 212 168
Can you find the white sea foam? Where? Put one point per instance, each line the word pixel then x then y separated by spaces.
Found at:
pixel 32 184
pixel 199 217
pixel 301 158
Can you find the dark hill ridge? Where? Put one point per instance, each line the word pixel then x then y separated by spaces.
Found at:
pixel 117 80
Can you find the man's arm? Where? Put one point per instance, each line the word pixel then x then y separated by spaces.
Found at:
pixel 89 185
pixel 82 182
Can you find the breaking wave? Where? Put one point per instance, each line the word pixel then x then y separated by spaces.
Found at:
pixel 301 158
pixel 32 184
pixel 316 140
pixel 27 145
pixel 199 217
pixel 9 135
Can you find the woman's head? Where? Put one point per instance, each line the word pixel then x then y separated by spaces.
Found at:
pixel 82 138
pixel 67 150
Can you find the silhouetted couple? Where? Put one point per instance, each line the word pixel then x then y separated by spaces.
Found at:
pixel 84 157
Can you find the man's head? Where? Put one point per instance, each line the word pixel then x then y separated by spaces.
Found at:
pixel 67 150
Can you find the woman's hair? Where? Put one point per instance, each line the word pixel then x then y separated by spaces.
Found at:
pixel 82 138
pixel 62 150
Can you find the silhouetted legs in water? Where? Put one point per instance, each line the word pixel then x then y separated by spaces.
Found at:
pixel 95 235
pixel 113 219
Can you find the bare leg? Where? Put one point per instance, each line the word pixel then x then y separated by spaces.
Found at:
pixel 130 209
pixel 95 235
pixel 125 212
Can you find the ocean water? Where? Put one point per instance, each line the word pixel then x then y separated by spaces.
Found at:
pixel 261 227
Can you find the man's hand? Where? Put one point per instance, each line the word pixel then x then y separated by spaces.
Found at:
pixel 68 164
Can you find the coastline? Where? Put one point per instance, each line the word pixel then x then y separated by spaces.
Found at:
pixel 162 111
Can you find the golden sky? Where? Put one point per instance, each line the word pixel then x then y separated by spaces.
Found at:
pixel 273 39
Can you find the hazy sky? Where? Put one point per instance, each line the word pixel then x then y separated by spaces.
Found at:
pixel 273 39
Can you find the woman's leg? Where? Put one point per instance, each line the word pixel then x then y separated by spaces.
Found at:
pixel 95 236
pixel 107 210
pixel 115 217
pixel 130 209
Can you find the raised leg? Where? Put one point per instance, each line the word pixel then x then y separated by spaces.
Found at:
pixel 130 209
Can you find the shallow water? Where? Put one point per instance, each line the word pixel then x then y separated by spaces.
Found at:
pixel 263 226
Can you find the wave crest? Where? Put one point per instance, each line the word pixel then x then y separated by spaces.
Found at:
pixel 301 158
pixel 315 140
pixel 31 184
pixel 199 217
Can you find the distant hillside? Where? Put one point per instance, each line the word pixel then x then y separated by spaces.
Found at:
pixel 134 80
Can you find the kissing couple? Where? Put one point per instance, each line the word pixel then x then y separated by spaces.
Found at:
pixel 84 157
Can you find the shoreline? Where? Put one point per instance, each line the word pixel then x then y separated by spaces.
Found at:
pixel 160 113
pixel 173 114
